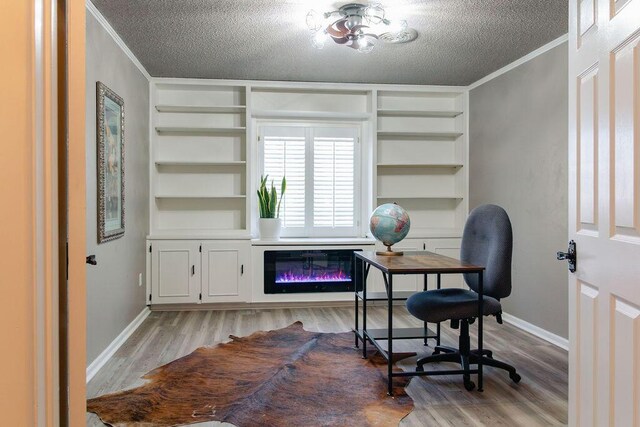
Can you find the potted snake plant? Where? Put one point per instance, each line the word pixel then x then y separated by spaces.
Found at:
pixel 270 223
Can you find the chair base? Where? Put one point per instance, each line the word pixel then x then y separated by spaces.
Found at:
pixel 466 356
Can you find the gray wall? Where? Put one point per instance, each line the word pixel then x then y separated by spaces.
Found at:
pixel 518 159
pixel 113 296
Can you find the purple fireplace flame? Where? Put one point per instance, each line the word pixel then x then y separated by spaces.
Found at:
pixel 320 276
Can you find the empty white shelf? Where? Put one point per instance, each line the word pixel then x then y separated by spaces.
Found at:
pixel 187 196
pixel 444 197
pixel 408 134
pixel 200 130
pixel 417 113
pixel 228 109
pixel 198 163
pixel 420 165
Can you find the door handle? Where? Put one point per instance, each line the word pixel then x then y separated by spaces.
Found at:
pixel 570 256
pixel 91 259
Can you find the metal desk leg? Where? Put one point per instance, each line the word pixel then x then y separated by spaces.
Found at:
pixel 439 284
pixel 355 292
pixel 364 311
pixel 426 327
pixel 390 329
pixel 480 318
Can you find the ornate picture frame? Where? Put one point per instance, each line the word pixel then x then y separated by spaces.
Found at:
pixel 110 163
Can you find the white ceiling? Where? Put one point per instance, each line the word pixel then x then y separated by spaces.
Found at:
pixel 459 42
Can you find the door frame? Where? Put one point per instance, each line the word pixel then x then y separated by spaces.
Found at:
pixel 58 209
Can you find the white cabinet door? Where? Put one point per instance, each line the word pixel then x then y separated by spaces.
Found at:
pixel 450 248
pixel 225 271
pixel 175 272
pixel 410 282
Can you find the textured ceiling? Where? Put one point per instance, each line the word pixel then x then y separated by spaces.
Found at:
pixel 459 42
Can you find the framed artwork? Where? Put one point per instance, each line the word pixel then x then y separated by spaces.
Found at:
pixel 110 162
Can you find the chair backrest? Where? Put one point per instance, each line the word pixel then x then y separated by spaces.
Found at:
pixel 488 241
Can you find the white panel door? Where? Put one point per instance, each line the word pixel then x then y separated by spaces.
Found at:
pixel 410 282
pixel 175 271
pixel 450 248
pixel 224 271
pixel 604 212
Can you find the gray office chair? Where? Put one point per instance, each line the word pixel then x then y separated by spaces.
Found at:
pixel 487 241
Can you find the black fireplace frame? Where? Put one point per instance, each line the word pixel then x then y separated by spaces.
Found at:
pixel 271 287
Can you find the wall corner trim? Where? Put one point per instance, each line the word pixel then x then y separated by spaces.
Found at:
pixel 108 352
pixel 528 57
pixel 550 337
pixel 105 24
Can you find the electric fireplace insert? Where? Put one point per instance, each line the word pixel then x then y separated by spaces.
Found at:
pixel 316 270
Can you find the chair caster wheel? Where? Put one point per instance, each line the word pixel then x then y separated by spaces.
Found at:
pixel 419 368
pixel 436 351
pixel 469 385
pixel 515 377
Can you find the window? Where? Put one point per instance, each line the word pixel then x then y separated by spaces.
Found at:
pixel 321 166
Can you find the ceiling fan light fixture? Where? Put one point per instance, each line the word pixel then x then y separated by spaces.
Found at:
pixel 355 25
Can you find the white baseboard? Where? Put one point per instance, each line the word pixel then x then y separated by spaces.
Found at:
pixel 554 339
pixel 108 352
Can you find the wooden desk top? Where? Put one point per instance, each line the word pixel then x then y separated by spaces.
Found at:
pixel 416 263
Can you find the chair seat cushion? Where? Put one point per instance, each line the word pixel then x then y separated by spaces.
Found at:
pixel 444 304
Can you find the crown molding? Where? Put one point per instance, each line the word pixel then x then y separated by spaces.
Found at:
pixel 520 61
pixel 105 24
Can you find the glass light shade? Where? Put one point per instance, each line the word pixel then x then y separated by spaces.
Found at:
pixel 365 45
pixel 319 38
pixel 374 13
pixel 314 20
pixel 397 26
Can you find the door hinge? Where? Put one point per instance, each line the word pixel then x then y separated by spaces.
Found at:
pixel 200 248
pixel 149 248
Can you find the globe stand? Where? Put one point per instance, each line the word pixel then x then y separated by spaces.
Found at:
pixel 389 252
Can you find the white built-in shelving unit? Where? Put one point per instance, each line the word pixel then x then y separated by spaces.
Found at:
pixel 204 169
pixel 199 160
pixel 421 154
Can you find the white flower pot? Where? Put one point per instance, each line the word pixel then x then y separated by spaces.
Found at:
pixel 269 228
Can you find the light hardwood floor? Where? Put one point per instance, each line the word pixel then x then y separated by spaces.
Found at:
pixel 539 400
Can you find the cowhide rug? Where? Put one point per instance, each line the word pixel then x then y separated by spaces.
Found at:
pixel 287 377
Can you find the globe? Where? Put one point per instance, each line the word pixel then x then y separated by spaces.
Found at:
pixel 389 223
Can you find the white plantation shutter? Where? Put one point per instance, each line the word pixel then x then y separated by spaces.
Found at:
pixel 333 182
pixel 321 165
pixel 284 155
